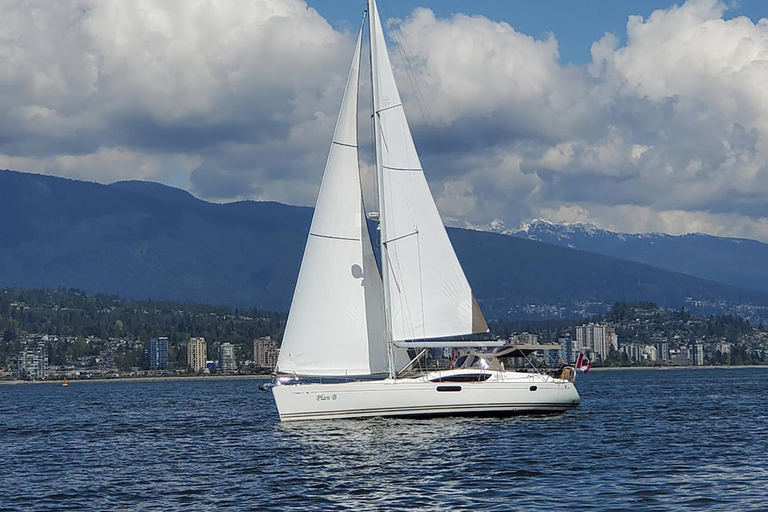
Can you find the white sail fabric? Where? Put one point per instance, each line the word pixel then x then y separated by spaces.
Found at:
pixel 336 325
pixel 429 296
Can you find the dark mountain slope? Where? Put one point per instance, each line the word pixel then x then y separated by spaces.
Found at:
pixel 735 261
pixel 145 240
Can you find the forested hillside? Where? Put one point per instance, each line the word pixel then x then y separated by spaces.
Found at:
pixel 142 240
pixel 73 313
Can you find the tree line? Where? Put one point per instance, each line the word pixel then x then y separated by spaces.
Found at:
pixel 73 313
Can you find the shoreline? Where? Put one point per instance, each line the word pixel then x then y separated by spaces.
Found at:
pixel 685 367
pixel 268 377
pixel 137 379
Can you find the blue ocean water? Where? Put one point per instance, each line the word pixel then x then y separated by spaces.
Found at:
pixel 641 440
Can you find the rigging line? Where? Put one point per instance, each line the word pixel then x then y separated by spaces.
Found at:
pixel 407 318
pixel 402 297
pixel 430 93
pixel 409 71
pixel 354 146
pixel 421 286
pixel 396 37
pixel 387 195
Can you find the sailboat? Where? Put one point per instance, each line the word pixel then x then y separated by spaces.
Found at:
pixel 352 326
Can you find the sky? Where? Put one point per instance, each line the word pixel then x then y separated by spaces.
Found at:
pixel 635 116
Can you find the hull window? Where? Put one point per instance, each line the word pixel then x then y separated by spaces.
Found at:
pixel 471 377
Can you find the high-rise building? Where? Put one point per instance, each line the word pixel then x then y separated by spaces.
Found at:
pixel 33 361
pixel 566 348
pixel 197 354
pixel 697 354
pixel 227 362
pixel 158 353
pixel 265 352
pixel 637 352
pixel 662 349
pixel 596 339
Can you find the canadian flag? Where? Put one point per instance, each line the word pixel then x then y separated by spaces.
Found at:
pixel 582 363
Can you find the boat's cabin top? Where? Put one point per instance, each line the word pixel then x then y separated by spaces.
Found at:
pixel 463 376
pixel 460 375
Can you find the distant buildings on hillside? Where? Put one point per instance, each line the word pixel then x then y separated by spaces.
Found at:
pixel 48 356
pixel 265 352
pixel 32 362
pixel 197 354
pixel 596 339
pixel 158 353
pixel 227 363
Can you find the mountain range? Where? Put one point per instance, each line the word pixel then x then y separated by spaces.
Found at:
pixel 145 240
pixel 736 261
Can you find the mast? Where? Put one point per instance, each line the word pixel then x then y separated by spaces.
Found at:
pixel 373 21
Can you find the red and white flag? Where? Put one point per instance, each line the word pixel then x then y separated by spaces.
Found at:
pixel 582 363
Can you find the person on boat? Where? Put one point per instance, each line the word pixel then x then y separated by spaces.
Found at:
pixel 559 372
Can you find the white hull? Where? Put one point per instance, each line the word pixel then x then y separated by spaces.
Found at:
pixel 504 393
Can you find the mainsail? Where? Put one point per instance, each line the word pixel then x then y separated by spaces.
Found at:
pixel 336 325
pixel 428 293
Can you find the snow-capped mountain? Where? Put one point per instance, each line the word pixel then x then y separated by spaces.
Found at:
pixel 736 261
pixel 545 231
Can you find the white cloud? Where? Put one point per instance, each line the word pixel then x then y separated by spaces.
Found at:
pixel 149 78
pixel 236 99
pixel 673 124
pixel 114 164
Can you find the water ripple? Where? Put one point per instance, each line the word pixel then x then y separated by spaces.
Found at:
pixel 655 440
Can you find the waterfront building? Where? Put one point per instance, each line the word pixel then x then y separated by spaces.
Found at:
pixel 723 347
pixel 265 352
pixel 158 353
pixel 634 351
pixel 566 348
pixel 697 354
pixel 637 352
pixel 32 362
pixel 197 354
pixel 227 362
pixel 680 356
pixel 662 351
pixel 596 340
